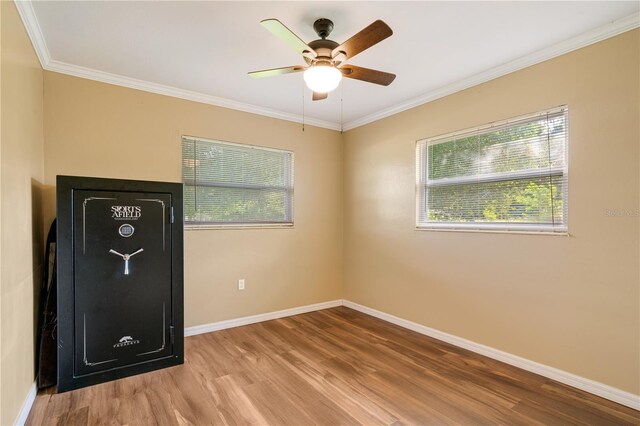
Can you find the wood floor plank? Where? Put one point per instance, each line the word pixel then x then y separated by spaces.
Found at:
pixel 276 406
pixel 358 406
pixel 336 366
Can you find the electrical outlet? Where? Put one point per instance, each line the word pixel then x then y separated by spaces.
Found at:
pixel 241 284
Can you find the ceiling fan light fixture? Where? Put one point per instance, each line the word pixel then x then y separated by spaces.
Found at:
pixel 322 78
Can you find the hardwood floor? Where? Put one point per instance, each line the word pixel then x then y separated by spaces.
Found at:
pixel 336 366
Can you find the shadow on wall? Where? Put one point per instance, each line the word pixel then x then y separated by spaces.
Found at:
pixel 48 208
pixel 38 236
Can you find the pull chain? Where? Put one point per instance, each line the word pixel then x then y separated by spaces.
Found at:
pixel 303 105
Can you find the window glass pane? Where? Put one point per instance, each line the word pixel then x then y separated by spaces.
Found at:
pixel 511 201
pixel 189 202
pixel 188 160
pixel 240 205
pixel 234 184
pixel 513 172
pixel 536 144
pixel 240 165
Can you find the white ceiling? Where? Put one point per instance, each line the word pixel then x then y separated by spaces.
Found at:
pixel 208 47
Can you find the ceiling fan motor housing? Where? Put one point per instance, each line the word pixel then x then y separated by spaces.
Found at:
pixel 323 48
pixel 323 27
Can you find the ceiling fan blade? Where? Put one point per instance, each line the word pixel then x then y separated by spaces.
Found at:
pixel 368 75
pixel 276 71
pixel 319 96
pixel 366 38
pixel 279 30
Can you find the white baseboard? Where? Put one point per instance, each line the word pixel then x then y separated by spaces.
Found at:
pixel 613 394
pixel 237 322
pixel 26 406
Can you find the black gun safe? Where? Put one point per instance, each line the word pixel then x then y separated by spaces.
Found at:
pixel 120 278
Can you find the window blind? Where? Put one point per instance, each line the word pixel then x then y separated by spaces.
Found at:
pixel 510 175
pixel 228 183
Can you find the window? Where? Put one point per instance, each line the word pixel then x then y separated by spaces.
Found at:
pixel 509 176
pixel 233 184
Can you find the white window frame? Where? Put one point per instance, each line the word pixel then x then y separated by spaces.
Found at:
pixel 422 164
pixel 195 225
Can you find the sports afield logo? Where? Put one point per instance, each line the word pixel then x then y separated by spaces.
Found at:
pixel 126 212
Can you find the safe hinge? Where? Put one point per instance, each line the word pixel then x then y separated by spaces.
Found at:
pixel 172 334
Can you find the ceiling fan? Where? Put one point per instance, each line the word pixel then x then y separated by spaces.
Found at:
pixel 325 57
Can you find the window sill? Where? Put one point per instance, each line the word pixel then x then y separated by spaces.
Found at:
pixel 197 227
pixel 494 231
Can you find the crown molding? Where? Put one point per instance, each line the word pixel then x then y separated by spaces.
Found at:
pixel 611 29
pixel 31 24
pixel 30 21
pixel 161 89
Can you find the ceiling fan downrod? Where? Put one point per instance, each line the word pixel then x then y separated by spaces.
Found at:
pixel 323 27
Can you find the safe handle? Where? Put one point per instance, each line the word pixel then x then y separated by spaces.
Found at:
pixel 126 258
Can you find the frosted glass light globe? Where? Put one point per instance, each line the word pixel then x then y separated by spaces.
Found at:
pixel 322 78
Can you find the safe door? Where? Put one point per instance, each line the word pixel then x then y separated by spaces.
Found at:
pixel 123 290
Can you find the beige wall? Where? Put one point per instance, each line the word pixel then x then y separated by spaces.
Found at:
pixel 20 209
pixel 96 129
pixel 568 302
